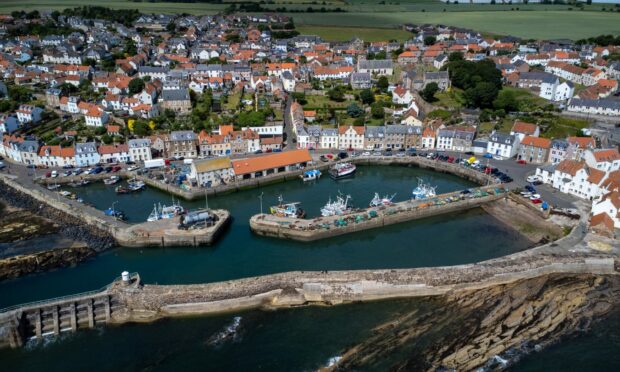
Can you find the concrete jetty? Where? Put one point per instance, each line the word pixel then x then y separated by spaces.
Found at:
pixel 370 218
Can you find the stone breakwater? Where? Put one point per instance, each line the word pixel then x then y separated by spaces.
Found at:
pixel 24 264
pixel 70 226
pixel 150 302
pixel 369 218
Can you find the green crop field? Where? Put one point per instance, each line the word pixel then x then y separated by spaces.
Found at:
pixel 333 33
pixel 523 20
pixel 526 24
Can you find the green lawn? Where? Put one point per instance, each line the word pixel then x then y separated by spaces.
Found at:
pixel 561 127
pixel 332 33
pixel 528 101
pixel 318 102
pixel 233 102
pixel 503 126
pixel 451 99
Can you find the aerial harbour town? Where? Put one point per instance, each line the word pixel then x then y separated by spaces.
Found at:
pixel 296 185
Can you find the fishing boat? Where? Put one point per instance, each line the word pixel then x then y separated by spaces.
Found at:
pixel 164 212
pixel 291 210
pixel 423 190
pixel 378 201
pixel 64 193
pixel 53 187
pixel 339 207
pixel 311 175
pixel 112 180
pixel 119 215
pixel 135 185
pixel 342 170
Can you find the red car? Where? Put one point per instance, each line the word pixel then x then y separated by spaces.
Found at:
pixel 521 161
pixel 536 201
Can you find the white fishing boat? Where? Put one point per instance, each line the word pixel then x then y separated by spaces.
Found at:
pixel 283 209
pixel 342 170
pixel 339 207
pixel 164 212
pixel 311 175
pixel 53 187
pixel 112 180
pixel 423 190
pixel 378 201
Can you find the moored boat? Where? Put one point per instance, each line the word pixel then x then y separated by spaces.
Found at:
pixel 379 201
pixel 112 180
pixel 423 190
pixel 119 215
pixel 291 210
pixel 311 175
pixel 342 170
pixel 164 212
pixel 339 207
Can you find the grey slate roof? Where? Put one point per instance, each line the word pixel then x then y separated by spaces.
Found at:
pixel 175 95
pixel 182 135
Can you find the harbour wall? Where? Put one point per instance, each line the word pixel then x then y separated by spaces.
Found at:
pixel 326 227
pixel 84 217
pixel 240 185
pixel 123 302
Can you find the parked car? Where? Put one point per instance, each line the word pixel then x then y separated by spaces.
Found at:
pixel 133 168
pixel 537 201
pixel 497 157
pixel 365 153
pixel 521 161
pixel 343 155
pixel 532 178
pixel 530 188
pixel 77 171
pixel 488 156
pixel 107 169
pixel 68 166
pixel 116 168
pixel 259 151
pixel 54 174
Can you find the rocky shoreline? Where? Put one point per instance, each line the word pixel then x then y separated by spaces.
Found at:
pixel 489 328
pixel 38 238
pixel 69 226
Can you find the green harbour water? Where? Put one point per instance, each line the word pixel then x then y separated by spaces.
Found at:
pixel 287 340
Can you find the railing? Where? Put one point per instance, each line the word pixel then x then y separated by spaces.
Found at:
pixel 66 297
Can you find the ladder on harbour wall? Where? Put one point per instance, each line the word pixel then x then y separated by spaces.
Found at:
pixel 36 320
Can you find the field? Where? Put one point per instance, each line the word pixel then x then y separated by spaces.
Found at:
pixel 332 33
pixel 525 24
pixel 523 20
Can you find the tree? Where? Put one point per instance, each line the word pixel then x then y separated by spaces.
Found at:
pixel 136 85
pixel 130 48
pixel 429 40
pixel 336 95
pixel 482 95
pixel 507 101
pixel 383 84
pixel 107 139
pixel 377 111
pixel 141 128
pixel 428 93
pixel 354 111
pixel 367 96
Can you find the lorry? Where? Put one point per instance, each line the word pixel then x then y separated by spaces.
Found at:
pixel 154 163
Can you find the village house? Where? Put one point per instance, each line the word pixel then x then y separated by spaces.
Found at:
pixel 176 100
pixel 212 172
pixel 350 137
pixel 428 138
pixel 86 154
pixel 522 129
pixel 534 149
pixel 504 145
pixel 377 67
pixel 139 149
pixel 114 153
pixel 29 114
pixel 56 156
pixel 181 144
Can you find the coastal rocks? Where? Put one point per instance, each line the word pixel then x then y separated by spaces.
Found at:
pixel 475 328
pixel 17 266
pixel 69 226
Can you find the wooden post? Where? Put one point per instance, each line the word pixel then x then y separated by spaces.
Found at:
pixel 91 313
